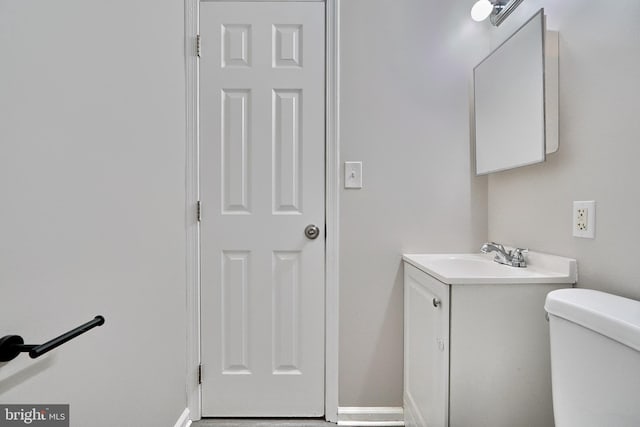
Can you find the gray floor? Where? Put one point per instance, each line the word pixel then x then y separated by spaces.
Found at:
pixel 261 423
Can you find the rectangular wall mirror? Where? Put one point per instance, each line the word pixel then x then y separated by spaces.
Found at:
pixel 516 99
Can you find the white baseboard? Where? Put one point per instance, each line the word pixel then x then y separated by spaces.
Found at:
pixel 370 416
pixel 184 420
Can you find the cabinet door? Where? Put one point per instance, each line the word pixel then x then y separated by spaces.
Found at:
pixel 426 349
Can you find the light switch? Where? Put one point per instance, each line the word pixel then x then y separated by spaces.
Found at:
pixel 352 174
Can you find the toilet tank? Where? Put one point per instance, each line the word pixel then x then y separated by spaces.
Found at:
pixel 595 358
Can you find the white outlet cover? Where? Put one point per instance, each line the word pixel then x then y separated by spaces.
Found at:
pixel 579 229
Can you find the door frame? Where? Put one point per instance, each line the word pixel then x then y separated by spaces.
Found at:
pixel 332 193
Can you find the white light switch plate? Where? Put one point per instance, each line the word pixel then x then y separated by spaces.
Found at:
pixel 352 174
pixel 584 219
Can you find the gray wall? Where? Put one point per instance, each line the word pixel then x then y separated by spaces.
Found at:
pixel 92 205
pixel 599 147
pixel 92 98
pixel 405 84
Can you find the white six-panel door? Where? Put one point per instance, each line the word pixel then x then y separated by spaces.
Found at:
pixel 262 182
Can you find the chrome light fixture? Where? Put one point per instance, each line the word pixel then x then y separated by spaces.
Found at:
pixel 495 10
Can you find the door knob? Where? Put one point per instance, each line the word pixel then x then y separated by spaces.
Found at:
pixel 435 302
pixel 311 231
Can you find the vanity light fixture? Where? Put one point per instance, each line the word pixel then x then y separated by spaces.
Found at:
pixel 495 10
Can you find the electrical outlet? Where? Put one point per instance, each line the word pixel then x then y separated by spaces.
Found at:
pixel 581 219
pixel 584 219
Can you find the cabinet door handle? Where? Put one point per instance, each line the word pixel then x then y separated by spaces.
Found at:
pixel 436 302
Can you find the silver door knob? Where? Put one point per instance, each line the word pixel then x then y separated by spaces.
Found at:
pixel 311 231
pixel 435 302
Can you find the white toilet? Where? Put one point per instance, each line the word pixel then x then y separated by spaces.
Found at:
pixel 595 358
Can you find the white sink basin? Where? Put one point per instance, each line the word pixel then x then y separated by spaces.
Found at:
pixel 461 269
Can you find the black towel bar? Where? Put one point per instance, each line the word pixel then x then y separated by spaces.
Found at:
pixel 12 345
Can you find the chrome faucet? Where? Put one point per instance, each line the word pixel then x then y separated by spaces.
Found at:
pixel 514 258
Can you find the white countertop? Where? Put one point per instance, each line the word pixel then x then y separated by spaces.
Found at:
pixel 478 268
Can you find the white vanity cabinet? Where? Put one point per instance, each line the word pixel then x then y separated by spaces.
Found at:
pixel 475 355
pixel 426 349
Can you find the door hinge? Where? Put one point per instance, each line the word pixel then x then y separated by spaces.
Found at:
pixel 198 211
pixel 199 374
pixel 198 45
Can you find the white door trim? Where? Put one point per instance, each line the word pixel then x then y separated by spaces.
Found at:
pixel 332 189
pixel 191 21
pixel 332 204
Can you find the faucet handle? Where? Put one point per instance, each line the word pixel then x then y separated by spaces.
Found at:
pixel 519 252
pixel 517 257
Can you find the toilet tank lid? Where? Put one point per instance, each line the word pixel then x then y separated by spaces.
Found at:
pixel 610 315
